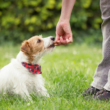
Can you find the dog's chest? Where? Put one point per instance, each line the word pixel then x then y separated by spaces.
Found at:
pixel 31 82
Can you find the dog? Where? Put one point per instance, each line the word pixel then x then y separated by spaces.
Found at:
pixel 22 75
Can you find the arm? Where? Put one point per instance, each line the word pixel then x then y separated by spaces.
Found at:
pixel 63 29
pixel 67 6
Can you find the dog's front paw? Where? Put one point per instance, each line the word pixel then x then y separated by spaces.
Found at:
pixel 47 95
pixel 43 93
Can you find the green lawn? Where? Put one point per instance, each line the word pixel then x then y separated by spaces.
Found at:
pixel 68 71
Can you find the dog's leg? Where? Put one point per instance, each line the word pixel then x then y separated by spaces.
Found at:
pixel 39 86
pixel 22 92
pixel 42 91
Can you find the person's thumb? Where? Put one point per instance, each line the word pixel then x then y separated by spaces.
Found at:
pixel 57 38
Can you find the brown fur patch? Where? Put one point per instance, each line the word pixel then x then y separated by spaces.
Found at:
pixel 32 46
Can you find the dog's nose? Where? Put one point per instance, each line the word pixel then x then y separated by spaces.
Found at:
pixel 52 38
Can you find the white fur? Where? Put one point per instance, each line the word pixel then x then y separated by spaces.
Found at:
pixel 14 78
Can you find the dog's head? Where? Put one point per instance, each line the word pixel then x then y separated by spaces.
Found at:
pixel 37 47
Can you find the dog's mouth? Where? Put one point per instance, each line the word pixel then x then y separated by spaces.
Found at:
pixel 51 46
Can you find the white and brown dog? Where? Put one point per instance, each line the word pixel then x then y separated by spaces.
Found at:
pixel 22 75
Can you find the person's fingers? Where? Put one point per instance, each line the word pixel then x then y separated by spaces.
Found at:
pixel 57 40
pixel 70 39
pixel 57 37
pixel 63 41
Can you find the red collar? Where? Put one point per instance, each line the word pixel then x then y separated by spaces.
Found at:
pixel 35 69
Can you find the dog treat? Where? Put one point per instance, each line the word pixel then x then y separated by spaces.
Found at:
pixel 55 44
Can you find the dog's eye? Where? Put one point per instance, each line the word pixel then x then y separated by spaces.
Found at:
pixel 38 41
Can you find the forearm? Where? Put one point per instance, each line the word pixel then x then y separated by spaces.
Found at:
pixel 67 6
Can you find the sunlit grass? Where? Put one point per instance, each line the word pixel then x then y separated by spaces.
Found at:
pixel 68 71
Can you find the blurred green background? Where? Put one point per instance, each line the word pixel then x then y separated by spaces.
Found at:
pixel 22 19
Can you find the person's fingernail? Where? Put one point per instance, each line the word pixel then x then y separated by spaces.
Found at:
pixel 67 40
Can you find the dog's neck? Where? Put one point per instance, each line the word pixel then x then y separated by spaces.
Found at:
pixel 21 57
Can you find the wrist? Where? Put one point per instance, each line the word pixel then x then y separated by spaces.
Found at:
pixel 64 19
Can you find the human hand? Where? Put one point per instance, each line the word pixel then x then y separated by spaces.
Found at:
pixel 63 33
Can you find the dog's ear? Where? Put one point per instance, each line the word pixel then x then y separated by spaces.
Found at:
pixel 40 36
pixel 25 47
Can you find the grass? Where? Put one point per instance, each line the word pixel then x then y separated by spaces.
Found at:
pixel 68 71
